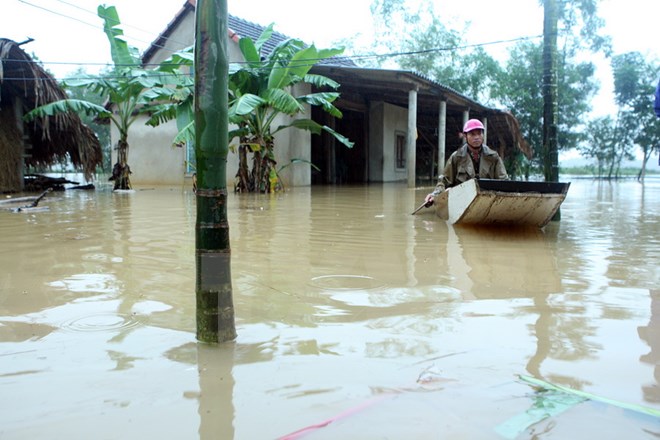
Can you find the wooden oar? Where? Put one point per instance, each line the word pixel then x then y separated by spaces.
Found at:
pixel 423 205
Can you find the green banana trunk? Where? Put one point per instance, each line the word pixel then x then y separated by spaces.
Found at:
pixel 215 309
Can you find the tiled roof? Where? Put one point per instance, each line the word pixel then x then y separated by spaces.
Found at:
pixel 244 28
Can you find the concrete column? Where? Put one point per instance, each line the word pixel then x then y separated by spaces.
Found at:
pixel 411 144
pixel 485 122
pixel 442 135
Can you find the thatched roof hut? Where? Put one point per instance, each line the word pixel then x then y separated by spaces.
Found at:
pixel 25 85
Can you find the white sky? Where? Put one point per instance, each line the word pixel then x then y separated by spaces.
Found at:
pixel 69 33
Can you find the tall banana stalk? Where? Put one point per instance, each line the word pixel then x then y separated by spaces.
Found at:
pixel 215 308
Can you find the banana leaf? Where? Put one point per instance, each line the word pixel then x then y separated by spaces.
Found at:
pixel 548 386
pixel 552 400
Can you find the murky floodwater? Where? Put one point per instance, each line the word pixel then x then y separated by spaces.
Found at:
pixel 348 310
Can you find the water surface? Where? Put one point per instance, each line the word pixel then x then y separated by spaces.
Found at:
pixel 348 310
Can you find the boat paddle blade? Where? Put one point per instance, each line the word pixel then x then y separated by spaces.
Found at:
pixel 423 205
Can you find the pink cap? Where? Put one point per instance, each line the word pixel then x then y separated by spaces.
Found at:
pixel 473 124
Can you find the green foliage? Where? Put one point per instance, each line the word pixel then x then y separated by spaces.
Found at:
pixel 593 171
pixel 634 84
pixel 264 88
pixel 173 98
pixel 65 105
pixel 428 47
pixel 602 143
pixel 123 56
pixel 580 27
pixel 520 89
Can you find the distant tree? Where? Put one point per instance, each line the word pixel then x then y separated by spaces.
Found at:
pixel 468 71
pixel 634 85
pixel 520 89
pixel 429 47
pixel 580 26
pixel 531 84
pixel 601 144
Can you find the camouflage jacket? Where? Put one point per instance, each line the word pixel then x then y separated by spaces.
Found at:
pixel 459 168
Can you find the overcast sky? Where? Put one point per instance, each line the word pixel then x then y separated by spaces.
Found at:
pixel 68 34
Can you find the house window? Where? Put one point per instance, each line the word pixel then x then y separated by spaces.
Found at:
pixel 400 151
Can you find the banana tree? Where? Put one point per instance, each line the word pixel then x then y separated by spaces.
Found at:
pixel 260 90
pixel 127 88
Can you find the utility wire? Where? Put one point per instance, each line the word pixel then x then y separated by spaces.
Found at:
pixel 312 61
pixel 350 57
pixel 95 26
pixel 122 24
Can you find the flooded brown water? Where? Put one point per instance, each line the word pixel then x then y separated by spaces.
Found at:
pixel 355 319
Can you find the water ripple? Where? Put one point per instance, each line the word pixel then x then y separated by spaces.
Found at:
pixel 347 282
pixel 101 322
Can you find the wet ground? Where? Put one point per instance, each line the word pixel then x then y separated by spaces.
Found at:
pixel 355 319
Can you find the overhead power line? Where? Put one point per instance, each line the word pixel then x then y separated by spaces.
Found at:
pixel 123 25
pixel 96 26
pixel 349 57
pixel 314 61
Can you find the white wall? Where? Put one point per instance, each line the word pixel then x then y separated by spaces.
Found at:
pixel 182 36
pixel 385 120
pixel 151 156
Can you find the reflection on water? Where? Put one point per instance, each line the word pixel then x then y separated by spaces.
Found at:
pixel 650 334
pixel 349 311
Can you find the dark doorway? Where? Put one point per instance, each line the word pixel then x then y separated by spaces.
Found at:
pixel 338 164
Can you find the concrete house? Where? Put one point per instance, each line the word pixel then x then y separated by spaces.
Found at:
pixel 395 118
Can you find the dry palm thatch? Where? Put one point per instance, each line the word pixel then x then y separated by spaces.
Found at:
pixel 25 85
pixel 510 135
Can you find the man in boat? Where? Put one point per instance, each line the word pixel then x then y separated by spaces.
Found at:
pixel 463 163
